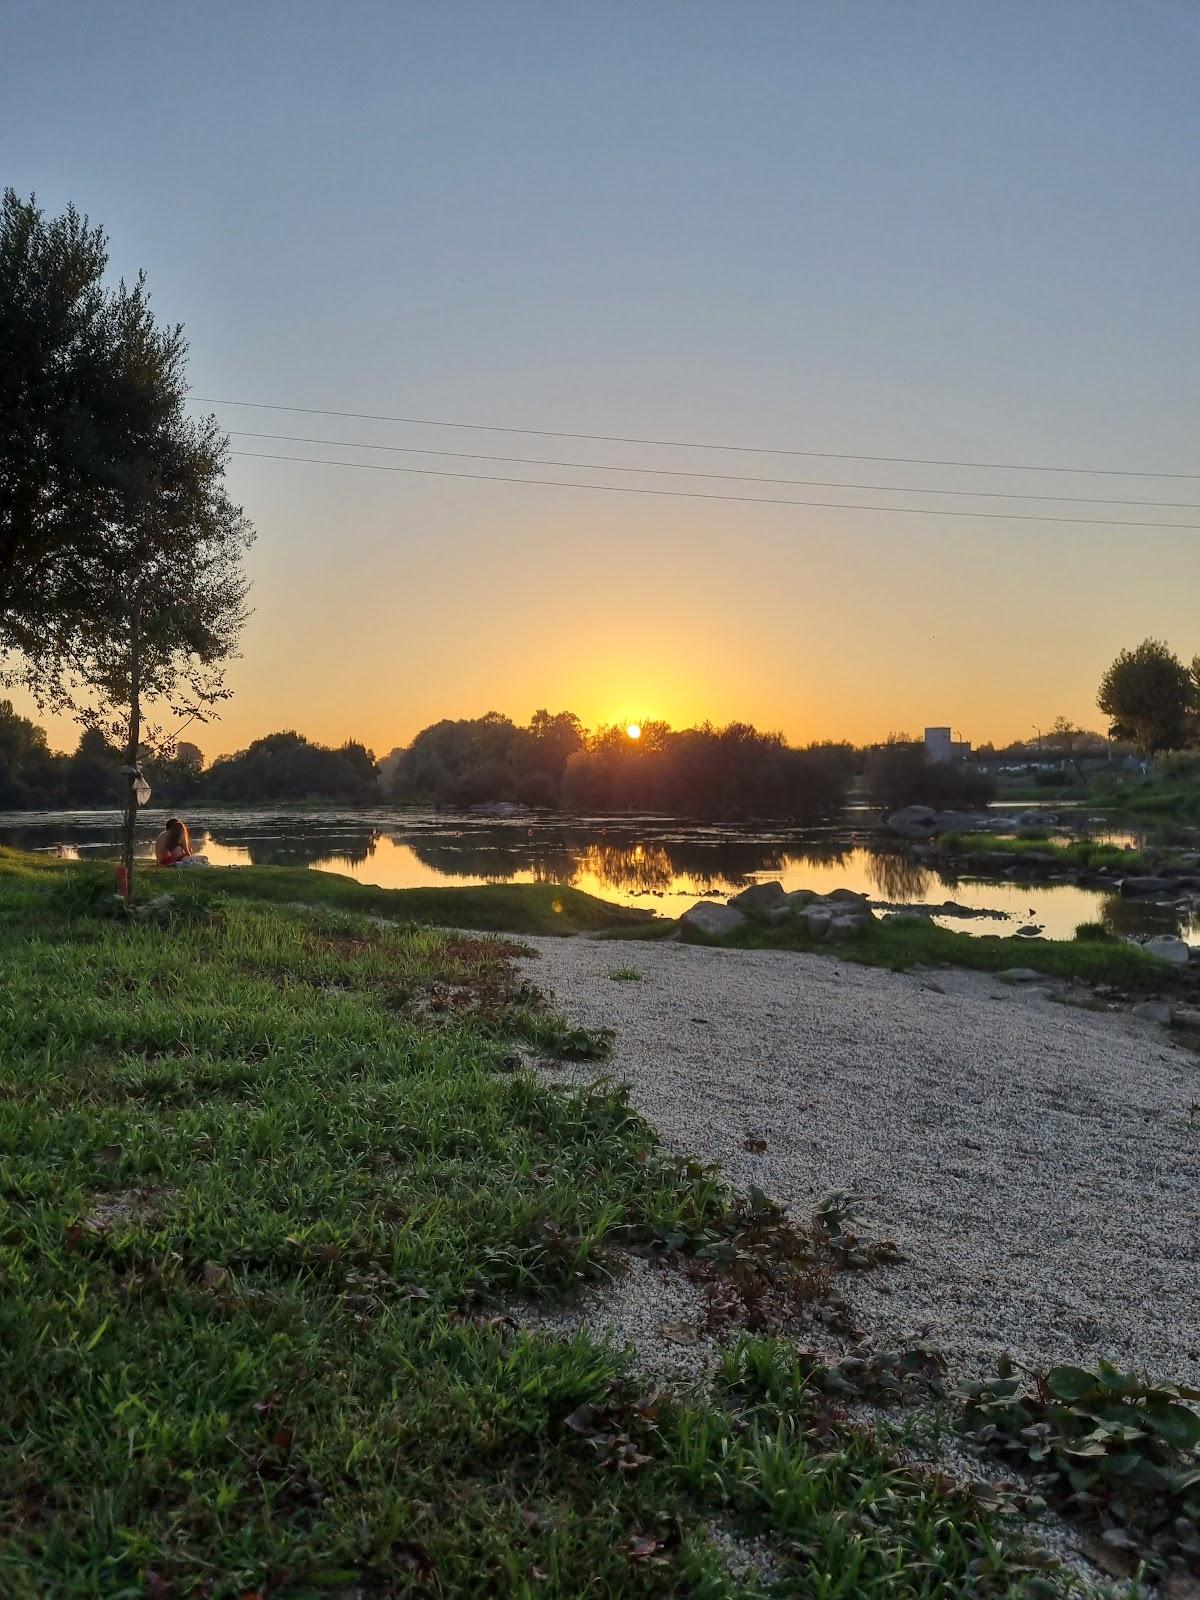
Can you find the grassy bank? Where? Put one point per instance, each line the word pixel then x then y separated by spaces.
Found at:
pixel 270 1178
pixel 910 943
pixel 492 907
pixel 1079 853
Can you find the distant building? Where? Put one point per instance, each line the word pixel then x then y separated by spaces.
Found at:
pixel 940 745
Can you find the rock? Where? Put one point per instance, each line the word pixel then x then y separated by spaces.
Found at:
pixel 798 898
pixel 1186 1017
pixel 913 822
pixel 817 922
pixel 715 921
pixel 1018 975
pixel 845 897
pixel 497 808
pixel 847 927
pixel 155 910
pixel 907 916
pixel 759 897
pixel 1031 930
pixel 1142 884
pixel 1154 1011
pixel 1168 948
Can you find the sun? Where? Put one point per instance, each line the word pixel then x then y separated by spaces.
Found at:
pixel 634 730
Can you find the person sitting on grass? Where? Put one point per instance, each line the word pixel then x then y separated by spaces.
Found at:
pixel 173 848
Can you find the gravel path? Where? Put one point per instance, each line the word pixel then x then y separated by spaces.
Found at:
pixel 1038 1163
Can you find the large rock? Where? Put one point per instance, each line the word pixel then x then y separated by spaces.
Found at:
pixel 817 921
pixel 712 920
pixel 1144 884
pixel 1018 975
pixel 759 897
pixel 1167 948
pixel 1154 1011
pixel 848 926
pixel 913 822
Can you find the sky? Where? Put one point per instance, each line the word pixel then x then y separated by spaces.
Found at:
pixel 905 228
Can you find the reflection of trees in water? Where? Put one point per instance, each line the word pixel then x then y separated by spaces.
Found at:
pixel 300 850
pixel 896 876
pixel 1129 915
pixel 629 867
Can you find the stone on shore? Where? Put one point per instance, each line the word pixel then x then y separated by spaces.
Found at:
pixel 1154 1011
pixel 1018 975
pixel 1168 948
pixel 759 897
pixel 714 920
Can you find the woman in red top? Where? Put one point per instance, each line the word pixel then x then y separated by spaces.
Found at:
pixel 172 845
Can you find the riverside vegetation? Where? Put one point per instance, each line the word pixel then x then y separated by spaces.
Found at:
pixel 276 1180
pixel 273 1177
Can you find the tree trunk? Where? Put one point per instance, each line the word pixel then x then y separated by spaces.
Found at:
pixel 135 736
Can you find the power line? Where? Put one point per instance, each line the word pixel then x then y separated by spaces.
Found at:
pixel 692 444
pixel 723 477
pixel 702 494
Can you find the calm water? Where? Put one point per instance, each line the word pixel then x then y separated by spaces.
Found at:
pixel 641 861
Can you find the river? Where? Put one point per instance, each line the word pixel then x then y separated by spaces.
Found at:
pixel 653 862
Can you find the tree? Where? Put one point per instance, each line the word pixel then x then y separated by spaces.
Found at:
pixel 1150 696
pixel 121 583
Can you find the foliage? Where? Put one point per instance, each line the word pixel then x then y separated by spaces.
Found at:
pixel 119 550
pixel 1151 697
pixel 1084 853
pixel 1110 1447
pixel 1095 933
pixel 485 758
pixel 899 773
pixel 910 943
pixel 287 766
pixel 717 773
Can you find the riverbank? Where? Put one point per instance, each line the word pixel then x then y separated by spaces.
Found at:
pixel 275 1180
pixel 1036 1163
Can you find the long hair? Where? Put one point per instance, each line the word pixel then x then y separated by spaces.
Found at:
pixel 178 835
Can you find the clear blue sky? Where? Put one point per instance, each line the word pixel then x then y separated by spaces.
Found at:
pixel 929 228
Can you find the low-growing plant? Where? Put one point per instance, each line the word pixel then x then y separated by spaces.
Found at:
pixel 1108 1447
pixel 1095 933
pixel 625 975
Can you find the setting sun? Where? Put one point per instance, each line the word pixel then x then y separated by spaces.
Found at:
pixel 634 731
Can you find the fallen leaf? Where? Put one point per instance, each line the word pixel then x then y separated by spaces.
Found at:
pixel 109 1156
pixel 213 1275
pixel 680 1333
pixel 414 1291
pixel 330 1252
pixel 642 1546
pixel 412 1557
pixel 757 1145
pixel 586 1420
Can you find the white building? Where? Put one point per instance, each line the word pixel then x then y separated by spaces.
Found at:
pixel 940 745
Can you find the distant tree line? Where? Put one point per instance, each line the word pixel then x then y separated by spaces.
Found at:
pixel 280 767
pixel 719 773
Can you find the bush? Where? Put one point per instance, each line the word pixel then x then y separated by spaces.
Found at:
pixel 899 773
pixel 1094 933
pixel 538 789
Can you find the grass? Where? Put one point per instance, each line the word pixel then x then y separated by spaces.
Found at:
pixel 537 908
pixel 1084 853
pixel 269 1179
pixel 910 943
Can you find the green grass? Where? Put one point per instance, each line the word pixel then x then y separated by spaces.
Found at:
pixel 1084 853
pixel 268 1180
pixel 903 945
pixel 540 908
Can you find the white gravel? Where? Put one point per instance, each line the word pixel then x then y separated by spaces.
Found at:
pixel 1039 1164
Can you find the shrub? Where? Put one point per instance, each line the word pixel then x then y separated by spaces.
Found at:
pixel 899 773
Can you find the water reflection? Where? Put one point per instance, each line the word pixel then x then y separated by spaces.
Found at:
pixel 643 859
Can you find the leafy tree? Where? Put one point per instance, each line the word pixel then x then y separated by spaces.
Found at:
pixel 93 773
pixel 30 775
pixel 1150 696
pixel 287 766
pixel 120 553
pixel 899 773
